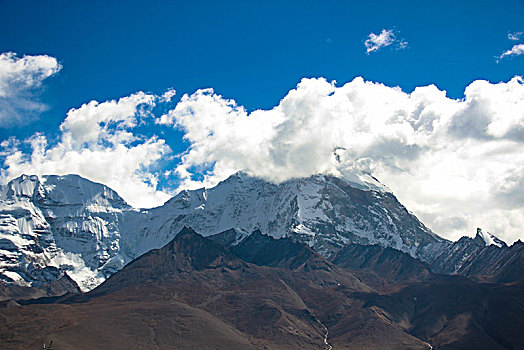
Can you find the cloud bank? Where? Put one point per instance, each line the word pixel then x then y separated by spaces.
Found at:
pixel 375 42
pixel 97 141
pixel 20 80
pixel 457 164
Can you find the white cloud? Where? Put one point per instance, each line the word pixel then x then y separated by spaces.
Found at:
pixel 20 79
pixel 516 50
pixel 385 38
pixel 168 95
pixel 514 36
pixel 98 142
pixel 457 164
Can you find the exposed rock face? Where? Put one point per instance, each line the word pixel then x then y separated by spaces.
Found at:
pixel 61 286
pixel 484 257
pixel 388 263
pixel 264 250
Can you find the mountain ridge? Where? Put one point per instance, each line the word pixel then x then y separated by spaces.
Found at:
pixel 50 225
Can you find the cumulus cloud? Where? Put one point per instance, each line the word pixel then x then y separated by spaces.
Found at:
pixel 458 164
pixel 516 50
pixel 375 42
pixel 98 142
pixel 20 80
pixel 514 36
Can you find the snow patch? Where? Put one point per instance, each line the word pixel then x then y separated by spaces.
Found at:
pixel 488 238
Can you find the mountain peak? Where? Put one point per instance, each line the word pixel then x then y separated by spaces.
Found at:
pixel 357 179
pixel 188 251
pixel 80 223
pixel 389 263
pixel 323 211
pixel 242 177
pixel 62 221
pixel 518 242
pixel 186 233
pixel 189 248
pixel 487 239
pixel 24 186
pixel 70 189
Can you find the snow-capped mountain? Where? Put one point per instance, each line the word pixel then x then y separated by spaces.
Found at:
pixel 322 211
pixel 484 256
pixel 488 239
pixel 52 225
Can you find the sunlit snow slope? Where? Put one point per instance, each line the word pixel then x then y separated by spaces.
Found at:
pixel 52 224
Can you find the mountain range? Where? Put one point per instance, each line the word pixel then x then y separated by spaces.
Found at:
pixel 52 225
pixel 318 262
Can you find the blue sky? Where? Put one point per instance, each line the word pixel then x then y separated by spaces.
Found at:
pixel 255 52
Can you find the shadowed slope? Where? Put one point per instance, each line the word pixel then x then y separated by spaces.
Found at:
pixel 388 263
pixel 54 288
pixel 265 250
pixel 452 312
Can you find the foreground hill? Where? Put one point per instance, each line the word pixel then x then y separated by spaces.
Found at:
pixel 197 293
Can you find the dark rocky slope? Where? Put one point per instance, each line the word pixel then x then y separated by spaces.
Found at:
pixel 196 293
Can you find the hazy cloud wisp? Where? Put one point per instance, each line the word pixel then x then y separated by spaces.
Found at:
pixel 375 42
pixel 20 80
pixel 516 50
